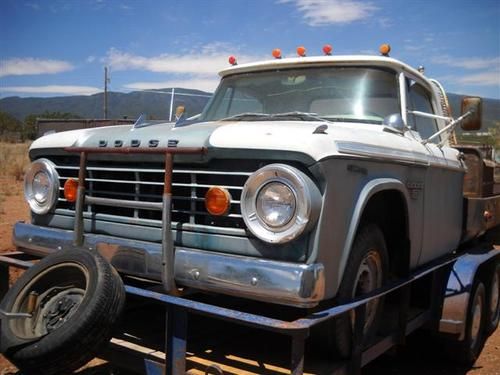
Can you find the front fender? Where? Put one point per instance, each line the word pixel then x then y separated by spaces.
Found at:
pixel 370 189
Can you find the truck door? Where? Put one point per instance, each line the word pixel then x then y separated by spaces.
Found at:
pixel 442 212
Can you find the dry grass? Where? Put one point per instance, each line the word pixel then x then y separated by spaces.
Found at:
pixel 13 163
pixel 13 160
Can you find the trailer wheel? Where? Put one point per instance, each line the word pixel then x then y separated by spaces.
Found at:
pixel 366 270
pixel 494 300
pixel 468 350
pixel 74 297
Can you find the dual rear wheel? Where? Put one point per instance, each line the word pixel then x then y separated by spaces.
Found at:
pixel 483 312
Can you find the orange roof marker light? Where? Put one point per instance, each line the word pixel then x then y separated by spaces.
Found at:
pixel 70 190
pixel 385 49
pixel 327 49
pixel 217 201
pixel 277 53
pixel 232 60
pixel 301 51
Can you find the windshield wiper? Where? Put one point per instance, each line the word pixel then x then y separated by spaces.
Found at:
pixel 246 116
pixel 353 119
pixel 303 116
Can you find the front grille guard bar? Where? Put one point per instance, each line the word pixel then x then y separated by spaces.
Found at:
pixel 168 250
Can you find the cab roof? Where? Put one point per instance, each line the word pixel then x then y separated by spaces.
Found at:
pixel 294 62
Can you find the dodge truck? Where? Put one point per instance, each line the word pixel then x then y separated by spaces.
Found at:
pixel 305 181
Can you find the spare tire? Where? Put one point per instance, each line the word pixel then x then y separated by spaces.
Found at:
pixel 79 297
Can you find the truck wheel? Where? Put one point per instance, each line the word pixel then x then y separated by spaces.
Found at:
pixel 468 350
pixel 366 270
pixel 494 301
pixel 75 298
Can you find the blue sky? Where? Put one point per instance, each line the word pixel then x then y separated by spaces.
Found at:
pixel 53 48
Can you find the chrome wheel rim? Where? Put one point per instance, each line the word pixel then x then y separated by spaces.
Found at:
pixel 369 277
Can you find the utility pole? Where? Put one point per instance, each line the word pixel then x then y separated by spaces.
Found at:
pixel 106 81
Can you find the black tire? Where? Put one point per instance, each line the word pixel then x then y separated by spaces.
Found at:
pixel 337 335
pixel 80 299
pixel 493 300
pixel 467 351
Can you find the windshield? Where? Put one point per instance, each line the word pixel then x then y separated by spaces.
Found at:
pixel 360 94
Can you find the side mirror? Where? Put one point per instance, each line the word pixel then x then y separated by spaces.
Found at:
pixel 395 121
pixel 474 105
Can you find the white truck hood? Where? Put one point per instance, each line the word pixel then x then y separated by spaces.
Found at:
pixel 291 136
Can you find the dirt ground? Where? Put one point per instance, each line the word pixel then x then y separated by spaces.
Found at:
pixel 411 360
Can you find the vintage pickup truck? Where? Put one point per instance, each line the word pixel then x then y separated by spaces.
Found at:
pixel 305 181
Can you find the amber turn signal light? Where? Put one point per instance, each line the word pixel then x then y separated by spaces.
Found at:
pixel 70 189
pixel 385 49
pixel 217 201
pixel 277 53
pixel 301 51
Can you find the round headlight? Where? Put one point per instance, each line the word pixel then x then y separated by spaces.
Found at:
pixel 279 203
pixel 275 204
pixel 41 186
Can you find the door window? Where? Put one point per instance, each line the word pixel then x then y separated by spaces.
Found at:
pixel 420 100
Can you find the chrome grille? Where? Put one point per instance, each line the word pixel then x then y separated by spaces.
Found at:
pixel 145 184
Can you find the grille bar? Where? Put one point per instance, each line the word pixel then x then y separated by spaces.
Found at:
pixel 147 170
pixel 154 183
pixel 123 203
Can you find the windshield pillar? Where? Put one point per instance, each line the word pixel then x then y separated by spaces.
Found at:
pixel 403 97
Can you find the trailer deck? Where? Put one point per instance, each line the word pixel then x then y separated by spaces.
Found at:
pixel 203 334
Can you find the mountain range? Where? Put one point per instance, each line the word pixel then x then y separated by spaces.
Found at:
pixel 156 104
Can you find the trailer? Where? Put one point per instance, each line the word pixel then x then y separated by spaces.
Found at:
pixel 438 298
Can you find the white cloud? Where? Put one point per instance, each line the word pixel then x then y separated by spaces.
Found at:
pixel 208 60
pixel 199 83
pixel 33 6
pixel 413 48
pixel 196 69
pixel 491 78
pixel 468 63
pixel 328 12
pixel 52 89
pixel 29 65
pixel 90 59
pixel 487 70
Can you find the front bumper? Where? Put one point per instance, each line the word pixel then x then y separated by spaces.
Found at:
pixel 287 283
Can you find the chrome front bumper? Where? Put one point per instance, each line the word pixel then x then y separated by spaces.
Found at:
pixel 294 284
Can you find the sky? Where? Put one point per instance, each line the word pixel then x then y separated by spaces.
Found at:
pixel 60 47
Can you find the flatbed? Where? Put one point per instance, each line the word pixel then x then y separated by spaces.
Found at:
pixel 209 335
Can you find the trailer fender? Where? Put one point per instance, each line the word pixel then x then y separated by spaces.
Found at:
pixel 454 314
